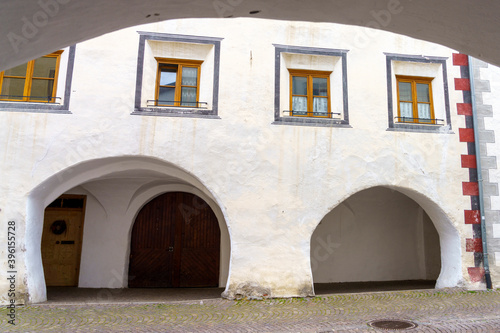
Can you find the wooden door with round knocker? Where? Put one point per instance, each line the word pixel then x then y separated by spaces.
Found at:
pixel 62 240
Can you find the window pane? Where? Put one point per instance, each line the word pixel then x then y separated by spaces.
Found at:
pixel 166 96
pixel 423 92
pixel 188 96
pixel 320 105
pixel 406 110
pixel 13 88
pixel 168 76
pixel 45 67
pixel 189 76
pixel 424 111
pixel 320 87
pixel 299 105
pixel 17 71
pixel 41 90
pixel 405 91
pixel 299 85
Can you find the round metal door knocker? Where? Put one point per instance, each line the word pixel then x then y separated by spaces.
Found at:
pixel 58 227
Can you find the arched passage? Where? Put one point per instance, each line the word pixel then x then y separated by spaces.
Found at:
pixel 116 189
pixel 380 234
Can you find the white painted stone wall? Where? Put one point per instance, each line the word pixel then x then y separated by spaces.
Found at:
pixel 273 184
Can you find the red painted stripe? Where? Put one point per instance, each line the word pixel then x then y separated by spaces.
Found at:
pixel 469 161
pixel 466 134
pixel 472 217
pixel 470 188
pixel 476 273
pixel 464 109
pixel 473 245
pixel 460 59
pixel 462 84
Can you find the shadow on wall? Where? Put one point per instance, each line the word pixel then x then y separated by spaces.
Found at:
pixel 378 234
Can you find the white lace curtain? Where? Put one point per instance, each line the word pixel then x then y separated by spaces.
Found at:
pixel 320 105
pixel 299 104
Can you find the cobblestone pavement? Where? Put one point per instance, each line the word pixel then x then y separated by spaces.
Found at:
pixel 433 310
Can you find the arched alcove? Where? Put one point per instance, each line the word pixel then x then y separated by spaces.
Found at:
pixel 116 189
pixel 382 234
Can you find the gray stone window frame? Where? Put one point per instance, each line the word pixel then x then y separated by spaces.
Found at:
pixel 34 107
pixel 304 121
pixel 446 128
pixel 170 111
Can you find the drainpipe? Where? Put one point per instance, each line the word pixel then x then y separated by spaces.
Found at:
pixel 486 264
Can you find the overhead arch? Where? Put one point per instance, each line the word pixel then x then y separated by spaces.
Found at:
pixel 34 28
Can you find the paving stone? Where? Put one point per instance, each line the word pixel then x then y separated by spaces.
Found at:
pixel 452 310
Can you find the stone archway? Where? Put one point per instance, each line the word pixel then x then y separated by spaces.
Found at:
pixel 380 234
pixel 116 189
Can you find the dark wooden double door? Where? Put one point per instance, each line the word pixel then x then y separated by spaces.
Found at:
pixel 175 243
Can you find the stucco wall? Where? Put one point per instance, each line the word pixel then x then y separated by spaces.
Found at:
pixel 272 183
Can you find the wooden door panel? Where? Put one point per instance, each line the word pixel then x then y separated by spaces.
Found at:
pixel 199 268
pixel 151 269
pixel 152 243
pixel 153 227
pixel 200 246
pixel 61 251
pixel 175 243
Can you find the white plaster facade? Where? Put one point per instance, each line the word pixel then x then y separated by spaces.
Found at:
pixel 269 183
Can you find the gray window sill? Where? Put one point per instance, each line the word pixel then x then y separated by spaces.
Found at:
pixel 33 107
pixel 175 112
pixel 421 128
pixel 318 122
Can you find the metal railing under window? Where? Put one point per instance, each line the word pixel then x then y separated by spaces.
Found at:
pixel 164 103
pixel 30 99
pixel 422 121
pixel 312 114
